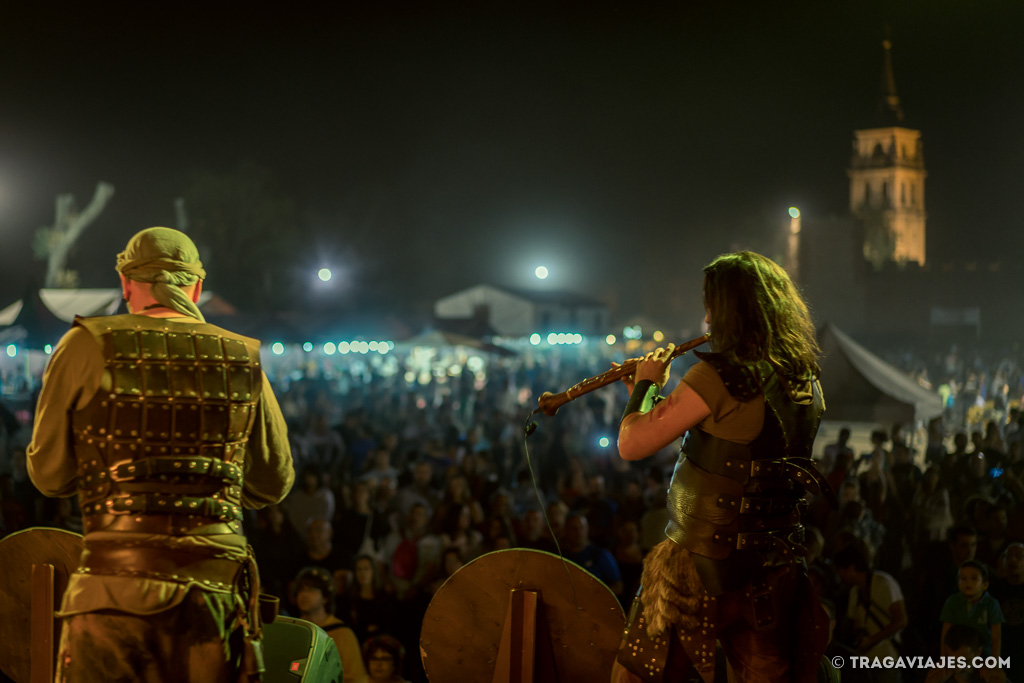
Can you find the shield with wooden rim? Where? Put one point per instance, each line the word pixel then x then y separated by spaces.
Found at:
pixel 20 585
pixel 521 615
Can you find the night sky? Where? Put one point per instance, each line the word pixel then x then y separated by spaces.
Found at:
pixel 428 147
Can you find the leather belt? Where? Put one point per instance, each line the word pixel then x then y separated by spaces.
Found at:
pixel 788 540
pixel 758 506
pixel 148 467
pixel 162 563
pixel 155 503
pixel 801 470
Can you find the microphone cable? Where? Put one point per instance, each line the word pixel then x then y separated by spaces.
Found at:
pixel 528 429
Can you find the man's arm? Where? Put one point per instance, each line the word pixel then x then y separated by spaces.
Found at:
pixel 71 379
pixel 269 472
pixel 897 622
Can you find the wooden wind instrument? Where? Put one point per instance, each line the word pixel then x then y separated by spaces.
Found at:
pixel 549 403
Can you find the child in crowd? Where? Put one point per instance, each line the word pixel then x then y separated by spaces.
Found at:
pixel 974 607
pixel 965 644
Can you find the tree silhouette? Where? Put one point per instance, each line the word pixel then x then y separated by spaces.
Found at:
pixel 54 243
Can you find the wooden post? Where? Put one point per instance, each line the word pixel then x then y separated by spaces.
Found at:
pixel 42 658
pixel 518 648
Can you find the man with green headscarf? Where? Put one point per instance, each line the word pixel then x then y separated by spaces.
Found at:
pixel 165 426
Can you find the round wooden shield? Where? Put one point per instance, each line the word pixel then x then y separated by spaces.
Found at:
pixel 579 620
pixel 18 552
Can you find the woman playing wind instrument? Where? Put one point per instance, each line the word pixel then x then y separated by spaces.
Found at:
pixel 731 567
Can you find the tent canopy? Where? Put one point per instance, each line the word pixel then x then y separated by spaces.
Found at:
pixel 34 323
pixel 861 387
pixel 42 316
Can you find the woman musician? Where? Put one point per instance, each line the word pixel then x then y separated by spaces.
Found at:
pixel 730 569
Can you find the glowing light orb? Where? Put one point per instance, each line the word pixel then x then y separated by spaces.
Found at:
pixel 324 274
pixel 603 441
pixel 541 272
pixel 307 347
pixel 535 339
pixel 277 348
pixel 610 339
pixel 794 212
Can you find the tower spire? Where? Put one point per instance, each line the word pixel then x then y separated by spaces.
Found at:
pixel 889 103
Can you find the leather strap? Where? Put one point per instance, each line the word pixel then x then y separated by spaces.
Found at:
pixel 162 563
pixel 148 467
pixel 790 537
pixel 155 503
pixel 643 398
pixel 727 459
pixel 758 506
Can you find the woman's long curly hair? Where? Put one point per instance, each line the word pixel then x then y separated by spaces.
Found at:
pixel 757 314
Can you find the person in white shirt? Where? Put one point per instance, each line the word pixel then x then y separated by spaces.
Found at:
pixel 876 608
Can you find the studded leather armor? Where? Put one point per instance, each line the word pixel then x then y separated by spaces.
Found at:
pixel 737 507
pixel 161 445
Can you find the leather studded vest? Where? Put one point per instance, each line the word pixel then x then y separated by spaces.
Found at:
pixel 161 445
pixel 732 505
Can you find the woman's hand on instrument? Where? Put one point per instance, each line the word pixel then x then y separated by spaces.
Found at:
pixel 655 366
pixel 628 380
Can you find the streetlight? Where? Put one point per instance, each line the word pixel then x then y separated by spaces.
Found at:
pixel 793 244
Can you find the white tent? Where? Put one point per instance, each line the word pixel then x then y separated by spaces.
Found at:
pixel 67 303
pixel 861 387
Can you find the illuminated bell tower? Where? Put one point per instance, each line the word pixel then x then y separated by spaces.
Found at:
pixel 887 181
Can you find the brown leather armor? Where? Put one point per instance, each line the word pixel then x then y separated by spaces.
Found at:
pixel 737 507
pixel 161 446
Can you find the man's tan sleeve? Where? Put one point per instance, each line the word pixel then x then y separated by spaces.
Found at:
pixel 70 381
pixel 269 472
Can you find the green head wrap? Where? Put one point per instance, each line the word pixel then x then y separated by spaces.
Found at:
pixel 168 260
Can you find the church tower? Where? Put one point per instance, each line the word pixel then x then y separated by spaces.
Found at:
pixel 887 181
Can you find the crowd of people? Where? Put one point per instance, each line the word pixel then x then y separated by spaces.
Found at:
pixel 399 484
pixel 976 385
